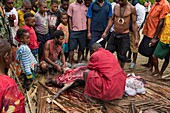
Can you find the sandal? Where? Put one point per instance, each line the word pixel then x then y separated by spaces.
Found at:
pixel 132 66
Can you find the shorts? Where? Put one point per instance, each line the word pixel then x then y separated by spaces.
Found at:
pixel 144 48
pixel 119 43
pixel 95 36
pixel 165 50
pixel 42 39
pixel 132 41
pixel 77 38
pixel 65 47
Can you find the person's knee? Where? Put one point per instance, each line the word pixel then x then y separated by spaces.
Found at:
pixel 71 53
pixel 122 58
pixel 44 66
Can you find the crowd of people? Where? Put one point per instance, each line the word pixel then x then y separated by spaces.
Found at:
pixel 48 38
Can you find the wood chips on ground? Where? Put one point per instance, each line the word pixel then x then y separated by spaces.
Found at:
pixel 157 99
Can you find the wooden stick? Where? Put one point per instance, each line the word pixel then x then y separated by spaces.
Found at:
pixel 34 92
pixel 29 102
pixel 62 97
pixel 58 104
pixel 17 79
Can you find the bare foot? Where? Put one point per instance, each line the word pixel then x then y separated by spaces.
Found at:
pixel 85 58
pixel 150 69
pixel 159 76
pixel 155 73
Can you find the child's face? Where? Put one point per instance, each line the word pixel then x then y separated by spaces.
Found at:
pixel 9 4
pixel 30 21
pixel 65 5
pixel 54 7
pixel 64 19
pixel 43 7
pixel 87 3
pixel 26 38
pixel 27 8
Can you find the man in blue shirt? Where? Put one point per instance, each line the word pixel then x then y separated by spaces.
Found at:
pixel 99 13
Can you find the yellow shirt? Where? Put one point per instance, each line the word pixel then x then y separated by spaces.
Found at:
pixel 165 34
pixel 21 17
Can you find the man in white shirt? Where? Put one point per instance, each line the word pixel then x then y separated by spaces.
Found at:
pixel 140 11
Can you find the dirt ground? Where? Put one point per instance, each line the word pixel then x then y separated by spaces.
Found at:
pixel 142 60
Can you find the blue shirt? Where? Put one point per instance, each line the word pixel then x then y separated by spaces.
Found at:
pixel 99 15
pixel 26 59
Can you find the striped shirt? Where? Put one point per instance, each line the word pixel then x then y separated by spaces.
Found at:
pixel 26 58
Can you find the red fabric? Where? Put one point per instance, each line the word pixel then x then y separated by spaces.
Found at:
pixel 70 75
pixel 53 53
pixel 34 44
pixel 11 99
pixel 105 80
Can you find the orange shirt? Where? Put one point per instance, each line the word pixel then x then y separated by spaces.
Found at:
pixel 64 28
pixel 157 12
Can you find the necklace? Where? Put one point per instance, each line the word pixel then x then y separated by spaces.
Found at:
pixel 121 20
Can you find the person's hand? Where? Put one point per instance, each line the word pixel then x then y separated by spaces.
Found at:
pixel 64 65
pixel 58 68
pixel 13 16
pixel 153 41
pixel 30 76
pixel 136 43
pixel 88 35
pixel 103 35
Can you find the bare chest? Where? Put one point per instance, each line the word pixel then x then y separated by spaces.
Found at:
pixel 122 12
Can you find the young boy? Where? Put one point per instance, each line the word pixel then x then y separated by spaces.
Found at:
pixel 11 18
pixel 41 26
pixel 34 4
pixel 26 58
pixel 64 27
pixel 162 49
pixel 29 24
pixel 64 6
pixel 11 99
pixel 53 17
pixel 26 7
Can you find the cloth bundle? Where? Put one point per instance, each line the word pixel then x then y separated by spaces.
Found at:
pixel 134 85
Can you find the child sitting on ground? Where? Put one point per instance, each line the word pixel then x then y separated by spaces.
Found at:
pixel 64 27
pixel 26 58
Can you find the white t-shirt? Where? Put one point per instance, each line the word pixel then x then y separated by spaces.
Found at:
pixel 140 14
